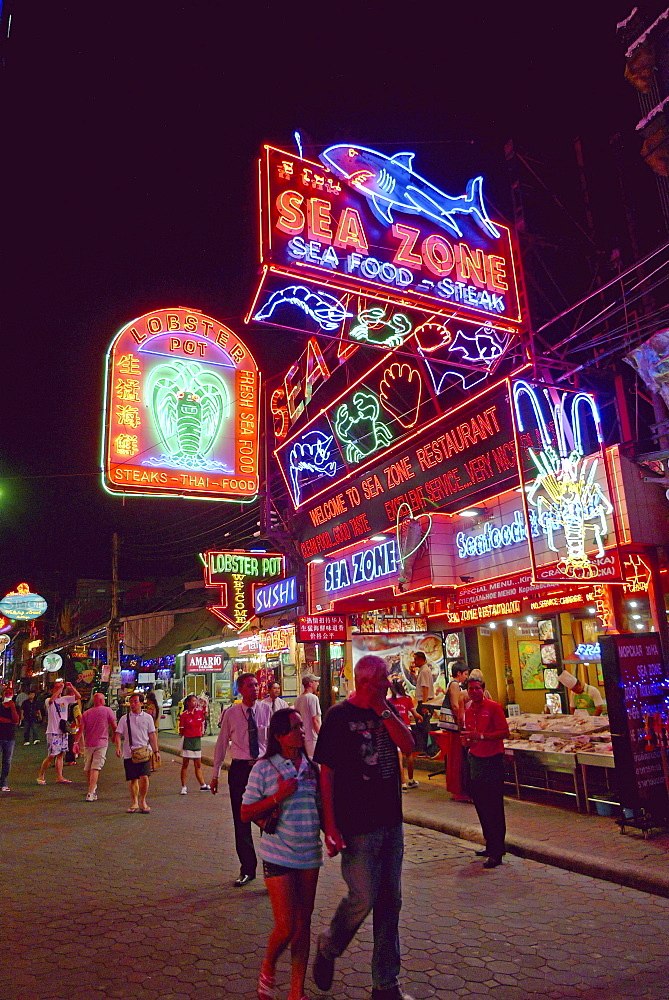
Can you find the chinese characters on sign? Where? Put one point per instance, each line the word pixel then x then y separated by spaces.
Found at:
pixel 181 410
pixel 321 628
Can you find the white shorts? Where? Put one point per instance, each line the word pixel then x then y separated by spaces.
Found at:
pixel 94 758
pixel 56 744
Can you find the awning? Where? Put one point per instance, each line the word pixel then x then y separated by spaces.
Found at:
pixel 187 629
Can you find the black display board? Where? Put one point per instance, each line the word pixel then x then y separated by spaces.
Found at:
pixel 636 691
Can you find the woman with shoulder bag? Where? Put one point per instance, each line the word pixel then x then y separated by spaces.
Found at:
pixel 282 797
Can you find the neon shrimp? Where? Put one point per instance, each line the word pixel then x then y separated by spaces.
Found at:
pixel 565 495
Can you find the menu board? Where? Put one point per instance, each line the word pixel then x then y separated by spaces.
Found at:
pixel 636 689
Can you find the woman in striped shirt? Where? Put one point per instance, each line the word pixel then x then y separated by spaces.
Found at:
pixel 292 855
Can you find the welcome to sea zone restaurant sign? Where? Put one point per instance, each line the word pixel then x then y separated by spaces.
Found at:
pixel 181 410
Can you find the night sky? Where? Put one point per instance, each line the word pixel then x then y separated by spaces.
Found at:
pixel 131 133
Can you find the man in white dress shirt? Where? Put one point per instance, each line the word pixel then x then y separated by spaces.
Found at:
pixel 244 729
pixel 274 700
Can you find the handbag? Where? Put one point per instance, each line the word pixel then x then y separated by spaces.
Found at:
pixel 62 723
pixel 138 755
pixel 269 820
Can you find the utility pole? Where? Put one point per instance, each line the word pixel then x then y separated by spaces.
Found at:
pixel 113 650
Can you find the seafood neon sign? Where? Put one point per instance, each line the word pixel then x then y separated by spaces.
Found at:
pixel 181 410
pixel 571 502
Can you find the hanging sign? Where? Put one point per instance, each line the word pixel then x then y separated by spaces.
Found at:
pixel 181 410
pixel 236 574
pixel 22 605
pixel 275 596
pixel 52 662
pixel 321 628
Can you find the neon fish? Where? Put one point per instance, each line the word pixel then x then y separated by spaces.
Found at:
pixel 325 309
pixel 390 184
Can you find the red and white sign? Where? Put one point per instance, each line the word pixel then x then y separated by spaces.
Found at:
pixel 321 628
pixel 513 595
pixel 203 663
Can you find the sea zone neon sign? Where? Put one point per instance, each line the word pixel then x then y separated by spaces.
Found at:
pixel 181 410
pixel 325 218
pixel 362 567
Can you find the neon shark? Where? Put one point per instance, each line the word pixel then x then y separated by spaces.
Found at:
pixel 390 184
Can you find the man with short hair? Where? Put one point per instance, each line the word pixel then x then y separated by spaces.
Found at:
pixel 485 730
pixel 94 726
pixel 137 729
pixel 9 720
pixel 244 729
pixel 274 699
pixel 57 708
pixel 362 807
pixel 309 708
pixel 424 680
pixel 30 716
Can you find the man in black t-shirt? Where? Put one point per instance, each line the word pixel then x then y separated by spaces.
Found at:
pixel 362 807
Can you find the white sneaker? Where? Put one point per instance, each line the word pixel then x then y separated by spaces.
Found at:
pixel 35 741
pixel 91 797
pixel 205 788
pixel 5 788
pixel 27 743
pixel 184 790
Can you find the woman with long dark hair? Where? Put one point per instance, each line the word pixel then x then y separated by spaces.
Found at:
pixel 292 854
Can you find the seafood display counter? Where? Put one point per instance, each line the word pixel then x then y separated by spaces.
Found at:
pixel 562 754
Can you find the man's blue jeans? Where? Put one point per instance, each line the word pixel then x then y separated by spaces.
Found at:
pixel 371 866
pixel 6 750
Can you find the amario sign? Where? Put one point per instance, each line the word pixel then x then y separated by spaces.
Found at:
pixel 203 663
pixel 181 410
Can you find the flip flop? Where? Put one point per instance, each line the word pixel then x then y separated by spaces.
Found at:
pixel 133 809
pixel 63 781
pixel 41 781
pixel 147 810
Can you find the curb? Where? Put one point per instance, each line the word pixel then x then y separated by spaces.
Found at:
pixel 631 876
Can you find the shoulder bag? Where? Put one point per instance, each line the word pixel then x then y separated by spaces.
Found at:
pixel 269 820
pixel 138 755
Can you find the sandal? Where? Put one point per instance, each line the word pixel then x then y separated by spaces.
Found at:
pixel 133 809
pixel 266 987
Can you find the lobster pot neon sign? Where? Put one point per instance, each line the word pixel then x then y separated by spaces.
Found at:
pixel 181 410
pixel 566 486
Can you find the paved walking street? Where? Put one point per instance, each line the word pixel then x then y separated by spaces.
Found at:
pixel 100 904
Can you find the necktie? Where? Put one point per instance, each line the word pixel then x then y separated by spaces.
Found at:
pixel 254 746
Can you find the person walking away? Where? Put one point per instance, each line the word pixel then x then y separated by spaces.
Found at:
pixel 30 716
pixel 485 730
pixel 274 700
pixel 292 854
pixel 401 701
pixel 424 693
pixel 191 727
pixel 57 707
pixel 244 730
pixel 457 778
pixel 309 708
pixel 138 732
pixel 94 726
pixel 362 809
pixel 9 720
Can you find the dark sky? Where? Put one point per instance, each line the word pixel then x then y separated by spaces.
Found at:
pixel 130 135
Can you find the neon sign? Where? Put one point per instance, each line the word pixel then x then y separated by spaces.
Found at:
pixel 637 574
pixel 181 410
pixel 275 596
pixel 314 455
pixel 588 651
pixel 571 505
pixel 336 218
pixel 22 605
pixel 358 427
pixel 493 536
pixel 325 309
pixel 236 574
pixel 374 327
pixel 362 567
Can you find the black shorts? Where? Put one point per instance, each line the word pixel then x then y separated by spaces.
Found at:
pixel 134 771
pixel 270 870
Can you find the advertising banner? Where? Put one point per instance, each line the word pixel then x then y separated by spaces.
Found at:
pixel 181 410
pixel 321 628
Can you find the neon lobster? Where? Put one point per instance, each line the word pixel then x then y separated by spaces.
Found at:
pixel 565 494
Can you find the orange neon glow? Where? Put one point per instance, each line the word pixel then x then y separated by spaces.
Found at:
pixel 637 574
pixel 498 273
pixel 408 237
pixel 291 217
pixel 292 391
pixel 438 255
pixel 316 369
pixel 351 232
pixel 319 220
pixel 397 378
pixel 471 265
pixel 277 405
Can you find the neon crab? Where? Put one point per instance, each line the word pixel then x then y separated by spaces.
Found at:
pixel 564 493
pixel 362 433
pixel 188 405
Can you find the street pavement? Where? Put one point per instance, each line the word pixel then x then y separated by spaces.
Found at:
pixel 98 904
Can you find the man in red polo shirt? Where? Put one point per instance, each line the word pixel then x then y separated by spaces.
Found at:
pixel 485 730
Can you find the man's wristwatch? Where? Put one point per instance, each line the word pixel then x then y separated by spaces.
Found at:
pixel 385 714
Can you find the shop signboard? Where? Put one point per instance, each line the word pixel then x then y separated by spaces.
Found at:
pixel 52 662
pixel 457 461
pixel 181 410
pixel 636 695
pixel 22 605
pixel 276 596
pixel 275 640
pixel 205 663
pixel 236 573
pixel 321 628
pixel 566 484
pixel 373 224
